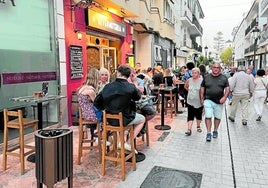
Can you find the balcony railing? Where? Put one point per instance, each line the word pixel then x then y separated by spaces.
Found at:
pixel 196 46
pixel 251 26
pixel 249 49
pixel 263 5
pixel 196 23
pixel 187 13
pixel 264 34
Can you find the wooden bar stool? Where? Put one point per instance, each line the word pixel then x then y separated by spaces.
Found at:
pixel 85 143
pixel 117 154
pixel 146 134
pixel 170 100
pixel 19 123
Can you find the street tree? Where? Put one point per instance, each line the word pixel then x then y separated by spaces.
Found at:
pixel 227 56
pixel 218 42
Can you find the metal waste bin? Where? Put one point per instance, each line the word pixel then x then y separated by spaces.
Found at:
pixel 54 156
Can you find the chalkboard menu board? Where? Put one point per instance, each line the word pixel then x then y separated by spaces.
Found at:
pixel 76 61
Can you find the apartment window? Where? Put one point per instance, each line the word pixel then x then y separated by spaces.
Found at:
pixel 157 50
pixel 168 12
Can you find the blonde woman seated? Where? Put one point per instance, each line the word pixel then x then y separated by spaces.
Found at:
pixel 104 78
pixel 86 94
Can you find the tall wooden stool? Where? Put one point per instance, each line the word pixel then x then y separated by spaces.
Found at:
pixel 117 154
pixel 146 134
pixel 85 143
pixel 19 123
pixel 170 100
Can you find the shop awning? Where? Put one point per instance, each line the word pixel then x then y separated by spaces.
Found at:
pixel 140 27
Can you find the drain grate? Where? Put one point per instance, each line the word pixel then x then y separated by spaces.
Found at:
pixel 163 136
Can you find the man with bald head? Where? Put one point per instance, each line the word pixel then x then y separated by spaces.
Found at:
pixel 213 94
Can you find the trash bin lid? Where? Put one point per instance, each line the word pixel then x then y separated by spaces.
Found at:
pixel 52 133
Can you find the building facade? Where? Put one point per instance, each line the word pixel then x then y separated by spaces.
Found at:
pixel 29 52
pixel 60 40
pixel 250 40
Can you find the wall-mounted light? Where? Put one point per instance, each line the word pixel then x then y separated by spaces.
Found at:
pixel 79 34
pixel 131 45
pixel 123 11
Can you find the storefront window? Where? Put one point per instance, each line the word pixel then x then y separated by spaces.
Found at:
pixel 27 51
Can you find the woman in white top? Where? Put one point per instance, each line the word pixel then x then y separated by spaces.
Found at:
pixel 104 78
pixel 260 84
pixel 195 108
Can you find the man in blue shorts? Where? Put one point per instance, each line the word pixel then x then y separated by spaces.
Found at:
pixel 213 94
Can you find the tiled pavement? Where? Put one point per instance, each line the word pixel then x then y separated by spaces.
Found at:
pixel 237 158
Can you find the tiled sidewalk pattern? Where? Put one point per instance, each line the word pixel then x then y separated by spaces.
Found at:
pixel 249 151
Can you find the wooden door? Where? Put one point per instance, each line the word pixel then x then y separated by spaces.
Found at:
pixel 93 57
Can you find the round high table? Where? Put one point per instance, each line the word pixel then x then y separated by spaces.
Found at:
pixel 162 126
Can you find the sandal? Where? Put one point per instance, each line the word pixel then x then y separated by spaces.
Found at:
pixel 189 132
pixel 199 129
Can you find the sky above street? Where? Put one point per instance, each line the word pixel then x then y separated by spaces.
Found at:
pixel 222 15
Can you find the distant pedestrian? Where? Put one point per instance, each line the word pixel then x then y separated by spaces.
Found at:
pixel 158 77
pixel 195 108
pixel 213 94
pixel 260 83
pixel 266 77
pixel 186 76
pixel 242 89
pixel 248 71
pixel 230 94
pixel 203 70
pixel 252 70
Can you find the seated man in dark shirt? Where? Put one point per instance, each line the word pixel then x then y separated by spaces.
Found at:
pixel 120 96
pixel 145 108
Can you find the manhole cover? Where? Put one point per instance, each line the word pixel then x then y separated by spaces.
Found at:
pixel 161 177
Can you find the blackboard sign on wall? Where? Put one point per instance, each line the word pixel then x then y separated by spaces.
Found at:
pixel 76 61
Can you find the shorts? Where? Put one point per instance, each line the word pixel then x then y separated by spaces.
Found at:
pixel 194 113
pixel 147 110
pixel 138 119
pixel 212 109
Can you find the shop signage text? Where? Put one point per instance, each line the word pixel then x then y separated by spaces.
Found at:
pixel 25 77
pixel 103 22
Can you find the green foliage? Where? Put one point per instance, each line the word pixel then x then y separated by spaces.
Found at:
pixel 204 60
pixel 227 56
pixel 177 71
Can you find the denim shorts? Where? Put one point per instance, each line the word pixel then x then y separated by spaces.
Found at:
pixel 138 119
pixel 212 109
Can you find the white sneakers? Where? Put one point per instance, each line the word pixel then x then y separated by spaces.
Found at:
pixel 127 147
pixel 181 98
pixel 108 143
